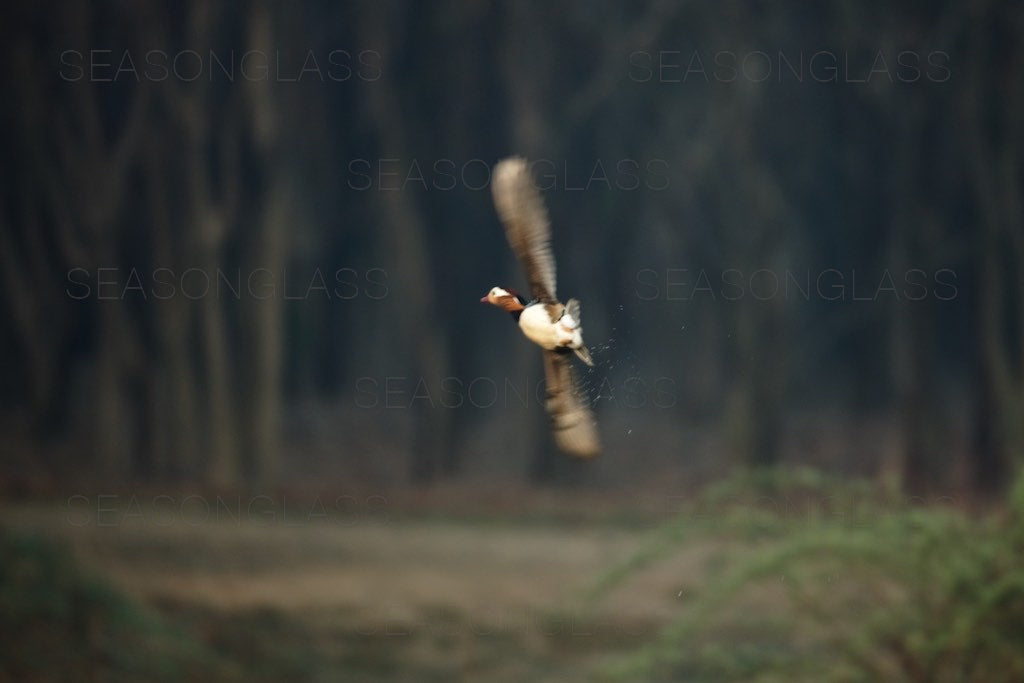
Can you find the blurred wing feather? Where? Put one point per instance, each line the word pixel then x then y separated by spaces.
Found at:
pixel 522 213
pixel 572 422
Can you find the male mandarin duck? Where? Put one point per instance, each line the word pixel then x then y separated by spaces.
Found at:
pixel 553 326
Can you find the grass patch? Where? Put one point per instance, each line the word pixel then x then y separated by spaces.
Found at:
pixel 837 582
pixel 60 622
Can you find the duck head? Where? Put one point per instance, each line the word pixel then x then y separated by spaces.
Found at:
pixel 503 299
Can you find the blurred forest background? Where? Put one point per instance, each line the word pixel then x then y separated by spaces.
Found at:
pixel 242 247
pixel 244 242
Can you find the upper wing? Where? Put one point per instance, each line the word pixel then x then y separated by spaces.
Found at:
pixel 572 422
pixel 522 212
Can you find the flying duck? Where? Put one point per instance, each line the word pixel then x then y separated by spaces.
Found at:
pixel 550 324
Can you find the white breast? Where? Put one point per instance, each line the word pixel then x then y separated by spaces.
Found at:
pixel 536 324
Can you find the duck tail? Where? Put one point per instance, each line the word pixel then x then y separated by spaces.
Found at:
pixel 584 355
pixel 572 309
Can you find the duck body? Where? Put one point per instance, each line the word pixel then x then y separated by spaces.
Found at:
pixel 549 329
pixel 552 325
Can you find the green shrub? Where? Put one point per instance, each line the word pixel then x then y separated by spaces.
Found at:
pixel 59 622
pixel 883 589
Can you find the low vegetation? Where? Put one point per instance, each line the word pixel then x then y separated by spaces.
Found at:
pixel 831 581
pixel 772 576
pixel 59 621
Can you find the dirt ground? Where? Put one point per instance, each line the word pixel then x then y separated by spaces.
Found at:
pixel 384 597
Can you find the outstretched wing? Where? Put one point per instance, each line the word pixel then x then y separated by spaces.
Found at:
pixel 572 422
pixel 527 228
